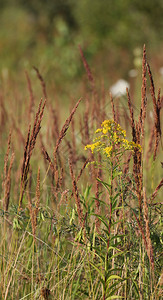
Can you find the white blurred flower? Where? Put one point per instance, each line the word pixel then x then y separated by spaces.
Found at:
pixel 119 88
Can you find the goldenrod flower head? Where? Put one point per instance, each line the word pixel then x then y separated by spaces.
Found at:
pixel 108 151
pixel 111 139
pixel 93 146
pixel 98 130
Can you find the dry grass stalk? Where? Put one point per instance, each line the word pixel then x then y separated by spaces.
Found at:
pixel 37 192
pixel 126 119
pixel 56 167
pixel 157 104
pixel 25 166
pixel 86 121
pixel 80 173
pixel 29 146
pixel 34 211
pixel 76 195
pixel 6 183
pixel 61 178
pixel 138 168
pixel 117 113
pixel 149 248
pixel 131 116
pixel 18 131
pixel 97 193
pixel 41 148
pixel 82 130
pixel 82 169
pixel 126 164
pixel 3 114
pixel 53 113
pixel 143 94
pixel 42 82
pixel 156 190
pixel 72 155
pixel 30 184
pixel 137 159
pixel 59 140
pixel 55 126
pixel 54 174
pixel 31 103
pixel 103 103
pixel 150 144
pixel 64 194
pixel 7 154
pixel 74 150
pixel 113 108
pixel 141 230
pixel 47 158
pixel 88 70
pixel 96 104
pixel 66 126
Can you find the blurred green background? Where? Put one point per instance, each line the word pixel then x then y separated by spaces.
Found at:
pixel 46 34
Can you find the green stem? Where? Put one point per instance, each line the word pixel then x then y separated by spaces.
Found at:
pixel 109 229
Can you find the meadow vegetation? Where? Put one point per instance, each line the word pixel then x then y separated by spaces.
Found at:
pixel 80 200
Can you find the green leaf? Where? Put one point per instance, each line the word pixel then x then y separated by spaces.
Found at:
pixel 102 219
pixel 16 224
pixel 116 208
pixel 87 191
pixel 42 216
pixel 78 236
pixel 98 270
pixel 117 236
pixel 105 184
pixel 30 241
pixel 112 289
pixel 111 277
pixel 116 174
pixel 98 255
pixel 77 283
pixel 114 223
pixel 115 255
pixel 72 216
pixel 101 201
pixel 102 238
pixel 115 197
pixel 113 270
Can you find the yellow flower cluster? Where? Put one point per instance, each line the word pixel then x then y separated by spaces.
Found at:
pixel 111 139
pixel 93 146
pixel 109 126
pixel 108 151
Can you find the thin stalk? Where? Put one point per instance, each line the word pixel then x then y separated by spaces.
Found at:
pixel 90 289
pixel 58 267
pixel 32 267
pixel 109 229
pixel 140 271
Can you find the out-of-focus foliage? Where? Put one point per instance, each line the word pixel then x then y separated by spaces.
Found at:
pixel 46 33
pixel 123 22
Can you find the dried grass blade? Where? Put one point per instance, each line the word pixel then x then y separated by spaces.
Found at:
pixel 76 195
pixel 66 126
